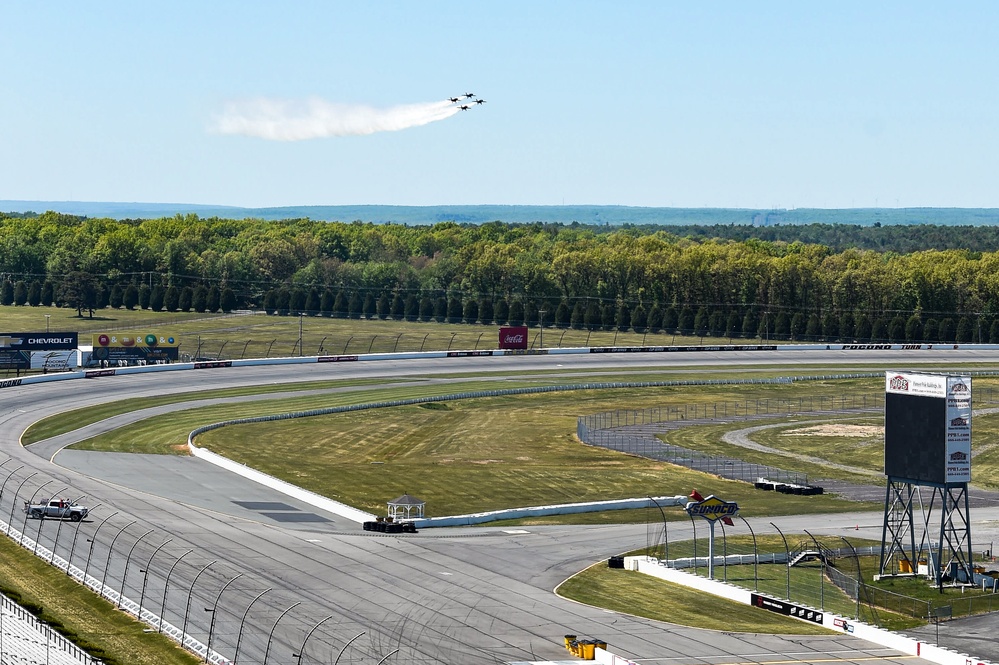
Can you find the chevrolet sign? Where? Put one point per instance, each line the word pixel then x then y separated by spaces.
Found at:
pixel 712 508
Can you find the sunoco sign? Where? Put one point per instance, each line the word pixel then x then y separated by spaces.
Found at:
pixel 712 508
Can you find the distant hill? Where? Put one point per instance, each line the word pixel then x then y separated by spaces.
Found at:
pixel 478 214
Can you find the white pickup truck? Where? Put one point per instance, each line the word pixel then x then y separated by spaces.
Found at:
pixel 56 508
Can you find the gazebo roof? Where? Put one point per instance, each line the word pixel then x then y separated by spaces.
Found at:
pixel 407 500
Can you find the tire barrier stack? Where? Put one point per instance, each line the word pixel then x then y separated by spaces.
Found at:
pixel 383 526
pixel 783 488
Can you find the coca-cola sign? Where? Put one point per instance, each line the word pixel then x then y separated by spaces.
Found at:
pixel 513 337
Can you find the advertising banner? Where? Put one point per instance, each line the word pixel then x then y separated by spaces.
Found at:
pixel 958 429
pixel 513 337
pixel 128 349
pixel 39 341
pixel 11 359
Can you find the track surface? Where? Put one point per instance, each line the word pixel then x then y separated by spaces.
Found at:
pixel 465 596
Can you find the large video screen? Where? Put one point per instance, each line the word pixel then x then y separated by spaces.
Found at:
pixel 916 438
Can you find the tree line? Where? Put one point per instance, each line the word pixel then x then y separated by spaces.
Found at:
pixel 578 275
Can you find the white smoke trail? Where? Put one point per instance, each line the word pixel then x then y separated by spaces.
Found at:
pixel 297 120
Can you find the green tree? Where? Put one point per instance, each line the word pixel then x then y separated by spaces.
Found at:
pixel 592 317
pixel 670 320
pixel 20 293
pixel 187 297
pixel 34 293
pixel 296 300
pixel 931 330
pixel 685 324
pixel 370 306
pixel 327 301
pixel 879 330
pixel 830 327
pixel 994 332
pixel 965 327
pixel 426 308
pixel 341 305
pixel 384 305
pixel 782 325
pixel 515 316
pixel 864 328
pixel 131 297
pixel 733 326
pixel 48 293
pixel 797 326
pixel 846 326
pixel 563 315
pixel 716 323
pixel 398 307
pixel 655 321
pixel 313 302
pixel 749 324
pixel 946 331
pixel 270 301
pixel 623 317
pixel 199 301
pixel 454 309
pixel 355 305
pixel 171 298
pixel 79 291
pixel 214 299
pixel 6 292
pixel 117 296
pixel 145 293
pixel 156 297
pixel 412 307
pixel 639 319
pixel 471 312
pixel 578 316
pixel 228 301
pixel 914 329
pixel 813 329
pixel 896 329
pixel 701 320
pixel 487 314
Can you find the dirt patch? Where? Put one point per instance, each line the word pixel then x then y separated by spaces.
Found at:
pixel 832 429
pixel 485 461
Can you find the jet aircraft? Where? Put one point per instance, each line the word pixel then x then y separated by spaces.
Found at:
pixel 464 107
pixel 480 101
pixel 454 100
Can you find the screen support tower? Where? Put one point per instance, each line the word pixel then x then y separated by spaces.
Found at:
pixel 947 550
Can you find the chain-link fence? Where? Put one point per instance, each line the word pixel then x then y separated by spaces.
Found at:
pixel 637 432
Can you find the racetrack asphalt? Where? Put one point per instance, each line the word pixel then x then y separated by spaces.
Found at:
pixel 472 595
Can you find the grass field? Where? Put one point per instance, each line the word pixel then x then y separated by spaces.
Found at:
pixel 496 452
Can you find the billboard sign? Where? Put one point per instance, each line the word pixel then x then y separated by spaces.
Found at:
pixel 39 341
pixel 712 509
pixel 115 348
pixel 513 337
pixel 928 427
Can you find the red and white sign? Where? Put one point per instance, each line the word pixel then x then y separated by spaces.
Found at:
pixel 513 337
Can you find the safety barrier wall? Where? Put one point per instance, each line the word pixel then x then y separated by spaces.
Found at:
pixel 559 509
pixel 835 622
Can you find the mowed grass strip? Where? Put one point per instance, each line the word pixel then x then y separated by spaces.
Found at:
pixel 477 455
pixel 642 595
pixel 88 620
pixel 72 420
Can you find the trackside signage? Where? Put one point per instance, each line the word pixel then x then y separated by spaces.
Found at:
pixel 51 341
pixel 786 608
pixel 513 337
pixel 712 508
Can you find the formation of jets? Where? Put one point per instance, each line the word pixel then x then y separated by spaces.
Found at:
pixel 465 97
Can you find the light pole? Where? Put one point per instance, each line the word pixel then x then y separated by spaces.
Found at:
pixel 107 563
pixel 145 576
pixel 166 585
pixel 214 611
pixel 13 503
pixel 47 317
pixel 128 560
pixel 76 534
pixel 345 647
pixel 300 354
pixel 242 622
pixel 93 541
pixel 270 635
pixel 301 652
pixel 541 315
pixel 187 612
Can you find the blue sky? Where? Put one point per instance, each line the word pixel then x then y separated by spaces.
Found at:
pixel 758 104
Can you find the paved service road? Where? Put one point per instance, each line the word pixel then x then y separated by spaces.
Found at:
pixel 299 577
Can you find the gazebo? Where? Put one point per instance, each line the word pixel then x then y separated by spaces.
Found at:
pixel 405 507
